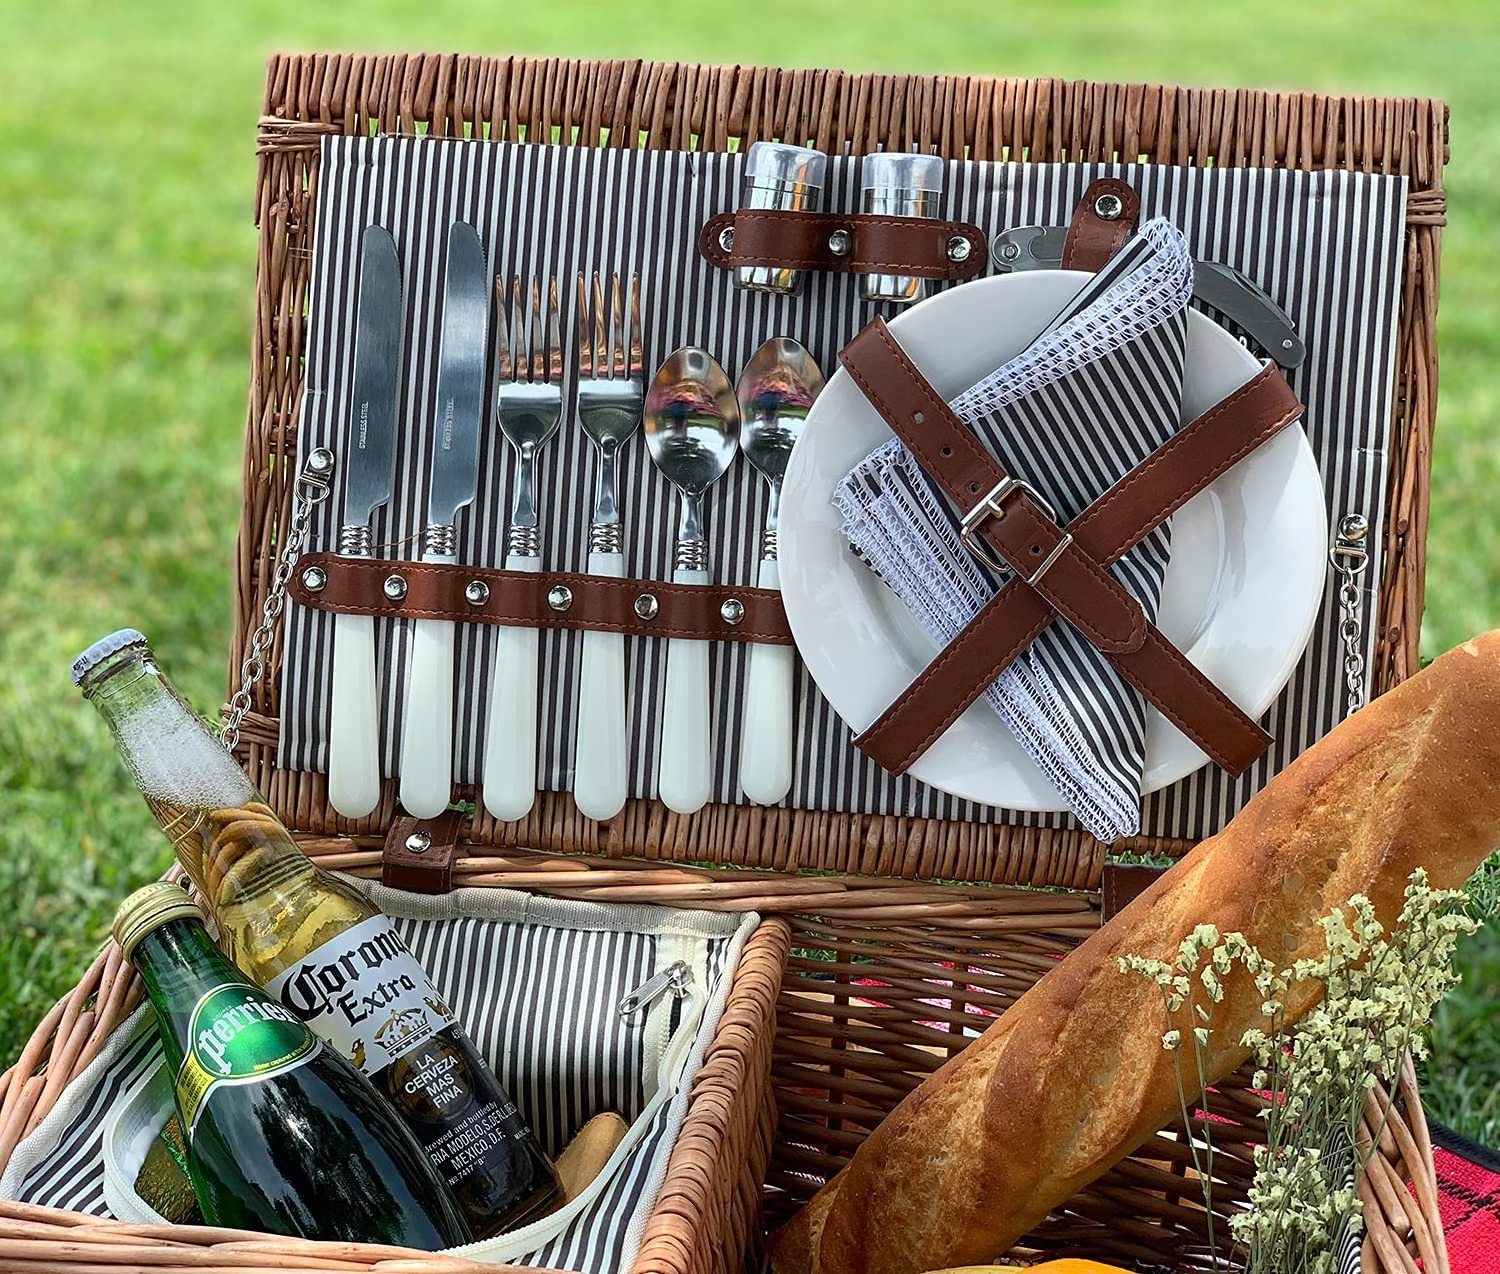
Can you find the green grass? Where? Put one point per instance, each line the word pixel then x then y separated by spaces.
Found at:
pixel 126 273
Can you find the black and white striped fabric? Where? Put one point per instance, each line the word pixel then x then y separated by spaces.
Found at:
pixel 1091 398
pixel 537 982
pixel 1326 245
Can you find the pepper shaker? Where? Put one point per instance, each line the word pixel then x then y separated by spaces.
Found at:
pixel 785 177
pixel 899 185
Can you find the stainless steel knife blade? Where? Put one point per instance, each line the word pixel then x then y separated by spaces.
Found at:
pixel 370 456
pixel 460 399
pixel 1220 287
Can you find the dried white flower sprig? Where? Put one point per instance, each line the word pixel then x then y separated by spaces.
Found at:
pixel 1378 992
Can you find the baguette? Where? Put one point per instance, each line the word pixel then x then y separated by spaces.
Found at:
pixel 1074 1077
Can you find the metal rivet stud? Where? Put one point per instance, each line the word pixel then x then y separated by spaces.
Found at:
pixel 646 606
pixel 732 611
pixel 1354 526
pixel 394 587
pixel 314 578
pixel 839 242
pixel 959 249
pixel 1010 251
pixel 320 460
pixel 477 592
pixel 1109 207
pixel 726 238
pixel 559 597
pixel 418 843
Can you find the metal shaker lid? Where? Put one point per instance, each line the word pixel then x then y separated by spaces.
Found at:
pixel 898 170
pixel 768 162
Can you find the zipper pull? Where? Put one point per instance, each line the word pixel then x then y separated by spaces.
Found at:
pixel 676 977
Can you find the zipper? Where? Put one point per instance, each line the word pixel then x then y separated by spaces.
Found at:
pixel 677 978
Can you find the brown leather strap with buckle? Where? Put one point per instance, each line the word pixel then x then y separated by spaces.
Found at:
pixel 1010 621
pixel 549 599
pixel 418 853
pixel 1058 569
pixel 1123 883
pixel 1101 223
pixel 859 243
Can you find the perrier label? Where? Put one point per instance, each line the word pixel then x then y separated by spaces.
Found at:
pixel 237 1035
pixel 319 946
pixel 281 1133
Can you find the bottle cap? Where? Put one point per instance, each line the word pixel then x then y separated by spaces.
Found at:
pixel 150 908
pixel 102 649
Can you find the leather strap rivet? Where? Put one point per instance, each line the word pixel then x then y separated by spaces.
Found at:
pixel 726 238
pixel 839 243
pixel 314 579
pixel 1109 207
pixel 477 592
pixel 394 587
pixel 418 843
pixel 646 606
pixel 559 597
pixel 959 249
pixel 732 611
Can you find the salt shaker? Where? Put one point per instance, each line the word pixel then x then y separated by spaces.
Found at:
pixel 899 185
pixel 785 177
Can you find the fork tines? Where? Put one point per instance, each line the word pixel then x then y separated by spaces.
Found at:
pixel 536 354
pixel 607 350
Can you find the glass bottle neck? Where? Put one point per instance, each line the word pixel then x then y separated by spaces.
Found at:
pixel 179 964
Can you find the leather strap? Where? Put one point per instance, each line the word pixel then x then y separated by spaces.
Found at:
pixel 922 247
pixel 1123 883
pixel 1093 236
pixel 1010 621
pixel 520 599
pixel 1072 581
pixel 418 853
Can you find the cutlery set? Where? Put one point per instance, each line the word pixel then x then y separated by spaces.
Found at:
pixel 695 420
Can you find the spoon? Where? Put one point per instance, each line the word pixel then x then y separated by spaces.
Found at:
pixel 692 428
pixel 775 391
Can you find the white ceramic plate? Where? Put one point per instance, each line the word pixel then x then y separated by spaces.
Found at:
pixel 1241 593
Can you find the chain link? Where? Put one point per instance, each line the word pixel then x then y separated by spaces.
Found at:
pixel 311 490
pixel 1349 559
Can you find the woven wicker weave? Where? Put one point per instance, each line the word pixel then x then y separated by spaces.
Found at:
pixel 854 1008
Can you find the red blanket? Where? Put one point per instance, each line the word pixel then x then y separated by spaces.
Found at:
pixel 1469 1181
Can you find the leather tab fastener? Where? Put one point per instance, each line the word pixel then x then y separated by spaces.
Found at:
pixel 1125 882
pixel 418 853
pixel 857 243
pixel 521 599
pixel 1101 223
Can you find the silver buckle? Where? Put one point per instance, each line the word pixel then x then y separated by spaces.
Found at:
pixel 992 505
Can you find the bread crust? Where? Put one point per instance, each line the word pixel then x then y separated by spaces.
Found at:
pixel 1074 1077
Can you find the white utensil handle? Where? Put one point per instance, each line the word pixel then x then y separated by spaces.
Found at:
pixel 685 764
pixel 509 780
pixel 427 732
pixel 600 780
pixel 353 729
pixel 766 732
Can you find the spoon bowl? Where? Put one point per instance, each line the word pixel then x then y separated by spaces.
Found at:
pixel 776 391
pixel 692 421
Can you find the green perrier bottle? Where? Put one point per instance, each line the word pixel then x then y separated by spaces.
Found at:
pixel 282 1133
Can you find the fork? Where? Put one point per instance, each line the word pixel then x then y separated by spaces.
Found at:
pixel 610 394
pixel 528 408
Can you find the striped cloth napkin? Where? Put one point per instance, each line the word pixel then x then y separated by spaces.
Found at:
pixel 1086 402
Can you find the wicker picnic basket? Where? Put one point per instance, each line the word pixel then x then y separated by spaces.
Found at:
pixel 850 898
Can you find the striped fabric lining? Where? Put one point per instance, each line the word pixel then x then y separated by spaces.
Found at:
pixel 540 998
pixel 1326 245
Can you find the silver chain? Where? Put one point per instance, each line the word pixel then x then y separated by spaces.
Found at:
pixel 311 490
pixel 1349 559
